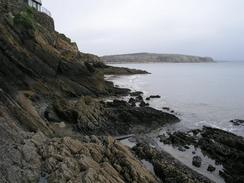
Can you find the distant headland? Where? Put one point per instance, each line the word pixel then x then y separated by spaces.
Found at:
pixel 154 57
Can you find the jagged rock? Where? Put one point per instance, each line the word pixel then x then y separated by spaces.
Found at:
pixel 155 96
pixel 237 122
pixel 197 161
pixel 132 100
pixel 89 164
pixel 50 115
pixel 115 118
pixel 162 137
pixel 166 167
pixel 225 148
pixel 74 145
pixel 143 104
pixel 139 98
pixel 180 139
pixel 166 108
pixel 136 94
pixel 211 168
pixel 182 149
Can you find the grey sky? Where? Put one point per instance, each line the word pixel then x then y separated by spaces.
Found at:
pixel 197 27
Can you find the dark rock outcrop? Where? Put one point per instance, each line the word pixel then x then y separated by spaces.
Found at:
pixel 166 167
pixel 136 93
pixel 224 147
pixel 155 96
pixel 197 161
pixel 89 116
pixel 237 122
pixel 211 168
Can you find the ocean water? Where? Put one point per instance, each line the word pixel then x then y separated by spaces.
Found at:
pixel 201 94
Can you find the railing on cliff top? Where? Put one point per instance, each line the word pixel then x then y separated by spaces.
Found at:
pixel 7 5
pixel 46 11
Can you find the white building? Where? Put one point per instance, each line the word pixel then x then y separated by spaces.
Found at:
pixel 37 4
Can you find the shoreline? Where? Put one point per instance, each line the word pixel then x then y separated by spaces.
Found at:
pixel 177 153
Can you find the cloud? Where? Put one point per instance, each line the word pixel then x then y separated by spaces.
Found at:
pixel 203 27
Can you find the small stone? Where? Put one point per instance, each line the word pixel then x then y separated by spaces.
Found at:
pixel 132 100
pixel 62 125
pixel 133 104
pixel 137 93
pixel 162 137
pixel 182 149
pixel 139 98
pixel 197 161
pixel 221 173
pixel 186 147
pixel 155 96
pixel 38 138
pixel 211 168
pixel 166 108
pixel 144 104
pixel 237 122
pixel 74 145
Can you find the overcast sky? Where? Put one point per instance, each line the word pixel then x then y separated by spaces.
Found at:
pixel 197 27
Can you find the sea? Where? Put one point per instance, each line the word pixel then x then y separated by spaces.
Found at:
pixel 200 94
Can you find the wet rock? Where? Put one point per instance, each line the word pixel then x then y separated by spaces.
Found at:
pixel 118 103
pixel 182 149
pixel 211 168
pixel 148 98
pixel 166 167
pixel 197 161
pixel 166 108
pixel 144 104
pixel 237 122
pixel 155 96
pixel 139 98
pixel 133 104
pixel 186 147
pixel 136 93
pixel 50 115
pixel 132 100
pixel 224 147
pixel 180 139
pixel 162 138
pixel 115 118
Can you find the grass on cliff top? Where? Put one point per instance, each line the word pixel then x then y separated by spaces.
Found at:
pixel 25 18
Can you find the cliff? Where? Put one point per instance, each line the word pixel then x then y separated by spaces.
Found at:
pixel 56 124
pixel 52 110
pixel 152 57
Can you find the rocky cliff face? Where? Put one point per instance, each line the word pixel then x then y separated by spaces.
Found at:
pixel 50 99
pixel 13 6
pixel 151 57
